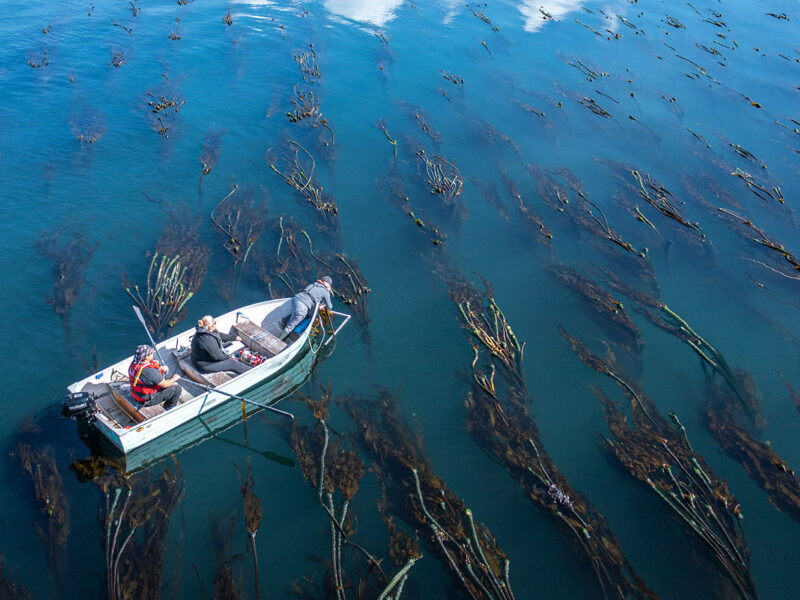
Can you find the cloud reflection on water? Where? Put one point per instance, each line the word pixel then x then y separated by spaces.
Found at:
pixel 534 19
pixel 373 12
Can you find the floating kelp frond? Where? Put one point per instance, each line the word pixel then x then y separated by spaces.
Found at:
pixel 253 513
pixel 181 237
pixel 166 293
pixel 211 149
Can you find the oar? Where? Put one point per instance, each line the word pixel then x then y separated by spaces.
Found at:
pixel 208 388
pixel 141 320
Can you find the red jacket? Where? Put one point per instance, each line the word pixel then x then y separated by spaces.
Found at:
pixel 138 389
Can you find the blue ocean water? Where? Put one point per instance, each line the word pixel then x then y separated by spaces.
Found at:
pixel 690 93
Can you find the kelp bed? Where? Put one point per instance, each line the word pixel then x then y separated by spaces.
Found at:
pixel 499 421
pixel 659 454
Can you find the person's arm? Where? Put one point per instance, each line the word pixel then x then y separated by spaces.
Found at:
pixel 328 302
pixel 230 336
pixel 213 349
pixel 165 383
pixel 151 376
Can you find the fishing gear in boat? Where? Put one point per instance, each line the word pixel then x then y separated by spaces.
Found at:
pixel 208 388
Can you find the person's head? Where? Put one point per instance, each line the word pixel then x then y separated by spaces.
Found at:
pixel 208 322
pixel 327 281
pixel 143 352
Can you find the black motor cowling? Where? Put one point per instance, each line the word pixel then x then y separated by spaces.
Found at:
pixel 81 405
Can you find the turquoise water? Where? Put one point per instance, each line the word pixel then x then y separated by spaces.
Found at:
pixel 658 85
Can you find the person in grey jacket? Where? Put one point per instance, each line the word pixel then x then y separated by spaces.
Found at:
pixel 303 303
pixel 207 352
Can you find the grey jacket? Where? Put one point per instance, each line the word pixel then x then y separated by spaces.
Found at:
pixel 314 294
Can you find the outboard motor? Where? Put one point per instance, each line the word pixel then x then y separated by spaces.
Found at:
pixel 80 406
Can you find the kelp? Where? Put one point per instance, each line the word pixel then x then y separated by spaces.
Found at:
pixel 40 464
pixel 211 151
pixel 135 526
pixel 420 498
pixel 659 454
pixel 444 180
pixel 253 513
pixel 300 176
pixel 180 237
pixel 499 421
pixel 774 247
pixel 330 466
pixel 612 315
pixel 489 193
pixel 164 103
pixel 166 292
pixel 10 589
pixel 543 232
pixel 396 194
pixel 224 586
pixel 740 382
pixel 70 262
pixel 240 219
pixel 759 460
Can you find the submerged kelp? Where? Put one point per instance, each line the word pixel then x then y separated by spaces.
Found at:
pixel 240 219
pixel 70 262
pixel 330 466
pixel 659 454
pixel 142 503
pixel 758 459
pixel 40 465
pixel 499 421
pixel 418 496
pixel 9 588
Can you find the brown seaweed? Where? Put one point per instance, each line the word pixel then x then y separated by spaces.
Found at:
pixel 301 177
pixel 166 292
pixel 499 421
pixel 419 497
pixel 660 455
pixel 70 262
pixel 445 181
pixel 330 467
pixel 10 589
pixel 240 219
pixel 759 460
pixel 135 525
pixel 396 194
pixel 543 233
pixel 613 317
pixel 253 513
pixel 40 464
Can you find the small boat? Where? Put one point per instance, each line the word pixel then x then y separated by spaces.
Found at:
pixel 103 405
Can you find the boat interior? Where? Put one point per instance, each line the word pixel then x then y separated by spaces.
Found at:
pixel 258 329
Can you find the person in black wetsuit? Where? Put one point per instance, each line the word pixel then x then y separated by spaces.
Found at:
pixel 207 353
pixel 303 303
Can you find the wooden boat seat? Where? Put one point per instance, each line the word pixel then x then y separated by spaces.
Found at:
pixel 121 392
pixel 258 339
pixel 209 379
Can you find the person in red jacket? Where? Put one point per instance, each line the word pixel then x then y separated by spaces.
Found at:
pixel 148 384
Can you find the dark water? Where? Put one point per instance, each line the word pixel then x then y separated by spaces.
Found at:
pixel 688 93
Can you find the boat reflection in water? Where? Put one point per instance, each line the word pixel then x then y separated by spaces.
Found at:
pixel 217 420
